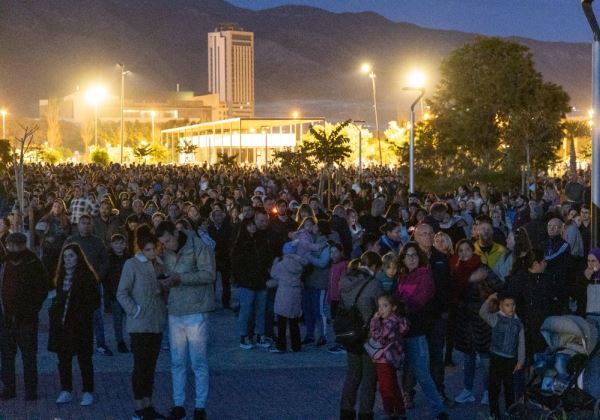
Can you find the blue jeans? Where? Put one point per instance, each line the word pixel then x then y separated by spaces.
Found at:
pixel 118 318
pixel 470 361
pixel 252 301
pixel 313 307
pixel 99 322
pixel 417 360
pixel 189 338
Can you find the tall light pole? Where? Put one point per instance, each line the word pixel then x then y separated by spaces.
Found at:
pixel 595 175
pixel 3 123
pixel 95 96
pixel 354 123
pixel 416 80
pixel 264 130
pixel 123 73
pixel 367 69
pixel 152 115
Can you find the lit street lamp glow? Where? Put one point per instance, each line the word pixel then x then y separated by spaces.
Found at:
pixel 94 97
pixel 416 79
pixel 295 115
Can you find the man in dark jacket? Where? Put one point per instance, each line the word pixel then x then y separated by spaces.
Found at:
pixel 443 289
pixel 339 224
pixel 25 286
pixel 557 254
pixel 220 231
pixel 280 225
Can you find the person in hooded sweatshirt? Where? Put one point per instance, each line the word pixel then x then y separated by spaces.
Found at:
pixel 360 285
pixel 25 286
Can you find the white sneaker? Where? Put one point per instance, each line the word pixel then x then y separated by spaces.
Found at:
pixel 263 342
pixel 64 397
pixel 465 396
pixel 86 399
pixel 485 398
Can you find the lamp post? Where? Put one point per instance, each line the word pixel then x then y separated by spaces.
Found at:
pixel 595 175
pixel 367 69
pixel 152 115
pixel 416 80
pixel 264 130
pixel 354 123
pixel 123 73
pixel 3 123
pixel 94 97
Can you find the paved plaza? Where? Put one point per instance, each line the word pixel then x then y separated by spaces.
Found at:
pixel 243 384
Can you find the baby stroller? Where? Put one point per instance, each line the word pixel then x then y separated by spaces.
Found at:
pixel 565 383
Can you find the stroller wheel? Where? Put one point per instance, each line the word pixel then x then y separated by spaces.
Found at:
pixel 557 414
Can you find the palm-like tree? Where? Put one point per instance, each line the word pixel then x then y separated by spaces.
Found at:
pixel 223 159
pixel 328 149
pixel 143 151
pixel 572 130
pixel 187 148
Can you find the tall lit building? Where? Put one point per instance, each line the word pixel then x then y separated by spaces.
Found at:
pixel 231 68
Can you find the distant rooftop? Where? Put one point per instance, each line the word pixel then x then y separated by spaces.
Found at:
pixel 228 27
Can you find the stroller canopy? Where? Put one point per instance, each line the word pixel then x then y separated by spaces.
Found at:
pixel 570 332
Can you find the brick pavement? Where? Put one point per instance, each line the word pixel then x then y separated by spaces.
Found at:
pixel 243 384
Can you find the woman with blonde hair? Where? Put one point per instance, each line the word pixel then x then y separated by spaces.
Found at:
pixel 443 243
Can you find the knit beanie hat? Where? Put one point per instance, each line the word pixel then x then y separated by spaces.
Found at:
pixel 595 252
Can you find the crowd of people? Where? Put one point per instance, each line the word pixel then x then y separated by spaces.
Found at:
pixel 472 272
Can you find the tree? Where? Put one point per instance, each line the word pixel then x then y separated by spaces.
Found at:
pixel 5 154
pixel 100 156
pixel 223 159
pixel 492 107
pixel 187 148
pixel 143 152
pixel 572 130
pixel 87 133
pixel 328 148
pixel 53 134
pixel 22 147
pixel 294 161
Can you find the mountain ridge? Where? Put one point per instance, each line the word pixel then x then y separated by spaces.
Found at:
pixel 305 58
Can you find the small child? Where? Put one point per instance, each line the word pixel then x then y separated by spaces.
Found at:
pixel 388 275
pixel 386 331
pixel 286 275
pixel 507 351
pixel 304 238
pixel 116 260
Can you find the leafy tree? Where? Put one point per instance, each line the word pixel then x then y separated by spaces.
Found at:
pixel 49 155
pixel 53 123
pixel 87 133
pixel 187 148
pixel 492 109
pixel 328 148
pixel 100 156
pixel 294 161
pixel 5 154
pixel 143 152
pixel 223 159
pixel 572 130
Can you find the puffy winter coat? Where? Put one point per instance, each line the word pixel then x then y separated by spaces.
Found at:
pixel 288 273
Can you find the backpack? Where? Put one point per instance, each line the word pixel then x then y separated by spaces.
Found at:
pixel 349 325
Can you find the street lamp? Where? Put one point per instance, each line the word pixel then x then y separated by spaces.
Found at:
pixel 264 130
pixel 354 122
pixel 295 115
pixel 94 97
pixel 595 175
pixel 3 112
pixel 152 115
pixel 367 69
pixel 416 80
pixel 123 73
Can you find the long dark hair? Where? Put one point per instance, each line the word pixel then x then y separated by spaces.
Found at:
pixel 82 269
pixel 521 251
